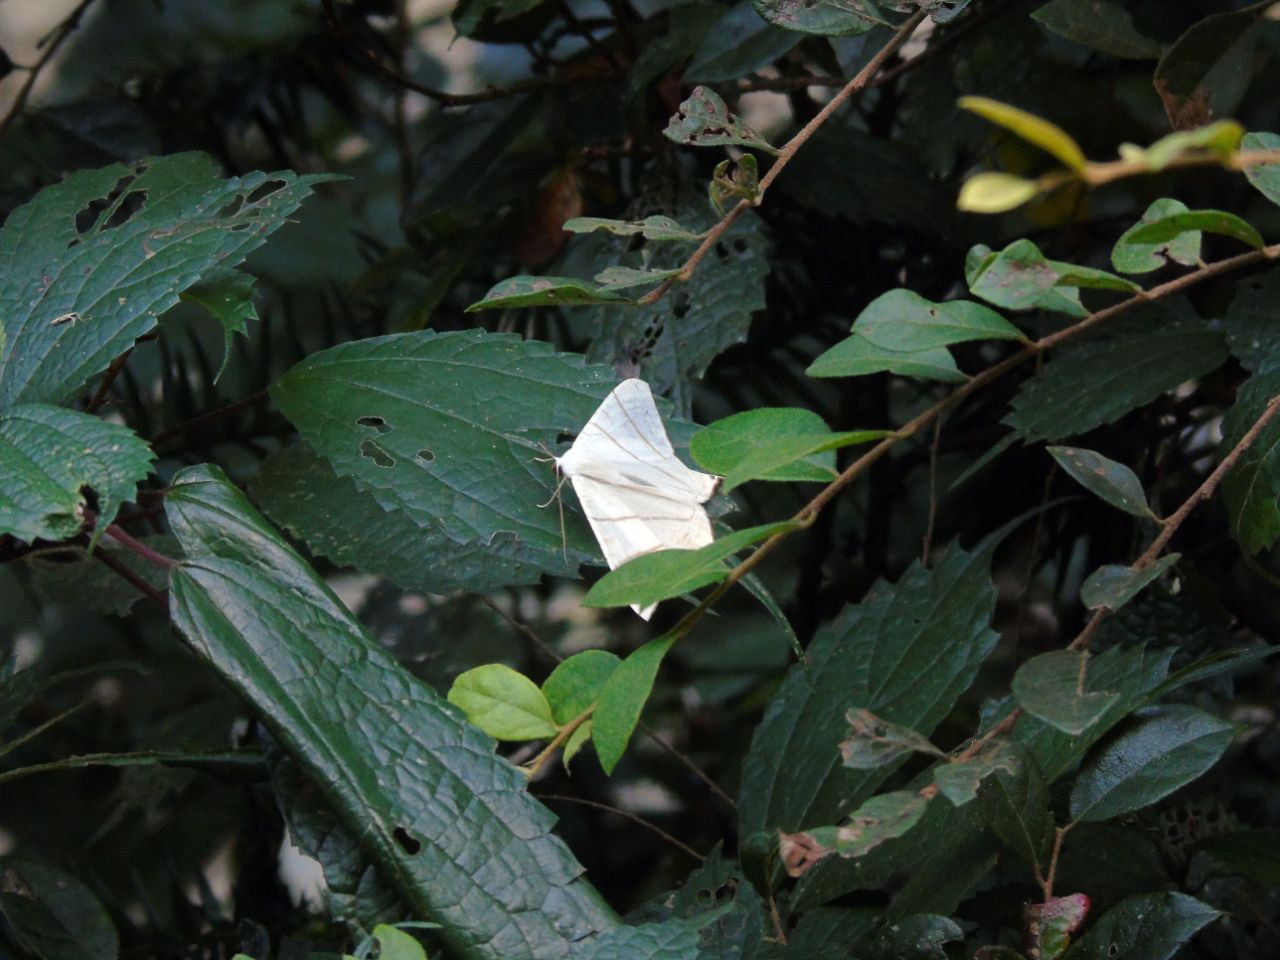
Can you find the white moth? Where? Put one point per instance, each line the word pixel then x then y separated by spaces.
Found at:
pixel 635 492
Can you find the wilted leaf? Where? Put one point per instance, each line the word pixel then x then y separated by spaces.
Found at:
pixel 651 228
pixel 1114 585
pixel 873 742
pixel 1204 74
pixel 885 817
pixel 959 780
pixel 1113 482
pixel 1049 925
pixel 1020 277
pixel 504 703
pixel 1097 24
pixel 703 120
pixel 1054 687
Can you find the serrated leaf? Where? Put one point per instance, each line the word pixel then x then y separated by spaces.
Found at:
pixel 704 120
pixel 1113 482
pixel 1160 750
pixel 276 633
pixel 576 682
pixel 1131 256
pixel 670 940
pixel 504 703
pixel 1114 585
pixel 1251 488
pixel 959 780
pixel 1099 378
pixel 1170 227
pixel 1099 25
pixel 1264 177
pixel 1054 688
pixel 1016 807
pixel 525 291
pixel 825 18
pixel 622 700
pixel 995 192
pixel 90 263
pixel 664 574
pixel 1148 927
pixel 48 455
pixel 738 44
pixel 656 227
pixel 873 742
pixel 902 332
pixel 228 296
pixel 1205 73
pixel 1036 130
pixel 52 914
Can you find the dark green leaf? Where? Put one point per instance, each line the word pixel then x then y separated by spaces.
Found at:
pixel 1252 332
pixel 826 18
pixel 76 577
pixel 881 818
pixel 669 940
pixel 1097 24
pixel 1205 73
pixel 1115 584
pixel 49 455
pixel 1160 750
pixel 651 228
pixel 254 610
pixel 228 296
pixel 918 937
pixel 473 15
pixel 1214 665
pixel 1020 277
pixel 1265 177
pixel 545 292
pixel 53 914
pixel 163 224
pixel 1130 256
pixel 1099 378
pixel 1149 927
pixel 1169 228
pixel 1016 807
pixel 873 742
pixel 622 700
pixel 664 574
pixel 1246 853
pixel 1251 489
pixel 576 682
pixel 703 120
pixel 1113 482
pixel 738 45
pixel 959 780
pixel 1054 688
pixel 504 703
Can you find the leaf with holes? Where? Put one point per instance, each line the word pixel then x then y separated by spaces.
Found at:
pixel 1114 585
pixel 1148 927
pixel 545 292
pixel 959 780
pixel 826 18
pixel 398 777
pixel 504 703
pixel 873 742
pixel 50 457
pixel 1168 228
pixel 651 228
pixel 1099 25
pixel 88 264
pixel 1251 488
pixel 880 819
pixel 1054 688
pixel 228 296
pixel 703 120
pixel 1113 482
pixel 1132 256
pixel 1265 177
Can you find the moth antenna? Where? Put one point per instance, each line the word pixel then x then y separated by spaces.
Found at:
pixel 549 455
pixel 564 539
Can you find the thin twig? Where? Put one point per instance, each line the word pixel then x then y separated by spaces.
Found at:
pixel 55 40
pixel 523 628
pixel 206 418
pixel 629 816
pixel 10 745
pixel 689 764
pixel 141 549
pixel 562 735
pixel 933 492
pixel 130 577
pixel 104 388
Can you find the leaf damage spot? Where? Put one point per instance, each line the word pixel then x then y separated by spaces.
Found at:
pixel 408 843
pixel 376 422
pixel 424 456
pixel 377 453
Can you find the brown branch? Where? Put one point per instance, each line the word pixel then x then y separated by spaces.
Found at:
pixel 130 577
pixel 141 549
pixel 690 765
pixel 206 418
pixel 55 40
pixel 629 816
pixel 108 378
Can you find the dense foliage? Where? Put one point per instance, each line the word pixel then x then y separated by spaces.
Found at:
pixel 297 301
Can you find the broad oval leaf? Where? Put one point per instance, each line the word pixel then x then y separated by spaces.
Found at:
pixel 995 192
pixel 1265 177
pixel 1131 256
pixel 1251 489
pixel 622 700
pixel 1097 24
pixel 1113 482
pixel 1148 927
pixel 873 742
pixel 1205 73
pixel 575 683
pixel 1055 688
pixel 1170 227
pixel 704 120
pixel 1045 135
pixel 48 455
pixel 826 18
pixel 504 703
pixel 738 44
pixel 1114 585
pixel 524 291
pixel 1160 750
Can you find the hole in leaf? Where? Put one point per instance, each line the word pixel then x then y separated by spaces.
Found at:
pixel 740 245
pixel 88 215
pixel 408 843
pixel 73 243
pixel 261 193
pixel 424 456
pixel 563 438
pixel 373 451
pixel 722 251
pixel 133 201
pixel 232 208
pixel 376 422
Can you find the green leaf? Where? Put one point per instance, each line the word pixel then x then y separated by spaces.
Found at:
pixel 48 455
pixel 902 332
pixel 1053 687
pixel 1206 72
pixel 580 737
pixel 1148 927
pixel 395 944
pixel 656 227
pixel 868 658
pixel 526 291
pixel 1252 332
pixel 1129 256
pixel 1246 853
pixel 995 192
pixel 1251 488
pixel 471 17
pixel 880 819
pixel 734 180
pixel 664 574
pixel 228 296
pixel 1170 227
pixel 622 700
pixel 670 940
pixel 703 120
pixel 75 576
pixel 738 45
pixel 826 18
pixel 1100 377
pixel 1159 751
pixel 1020 277
pixel 1113 482
pixel 1036 130
pixel 959 780
pixel 1114 585
pixel 918 937
pixel 79 289
pixel 1221 138
pixel 1015 805
pixel 576 682
pixel 52 914
pixel 503 703
pixel 1099 25
pixel 623 278
pixel 1264 177
pixel 397 778
pixel 873 742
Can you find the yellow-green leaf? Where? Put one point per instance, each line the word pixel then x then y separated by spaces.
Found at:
pixel 1045 135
